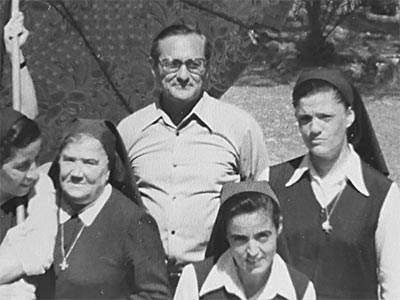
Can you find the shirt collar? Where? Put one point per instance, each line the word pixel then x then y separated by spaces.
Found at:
pixel 203 110
pixel 224 275
pixel 88 215
pixel 154 113
pixel 351 169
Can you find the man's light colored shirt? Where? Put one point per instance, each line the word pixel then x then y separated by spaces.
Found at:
pixel 224 275
pixel 180 169
pixel 387 235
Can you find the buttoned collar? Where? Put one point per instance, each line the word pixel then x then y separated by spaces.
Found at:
pixel 224 275
pixel 350 169
pixel 88 215
pixel 203 110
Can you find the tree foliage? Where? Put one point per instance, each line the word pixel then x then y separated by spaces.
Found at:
pixel 320 18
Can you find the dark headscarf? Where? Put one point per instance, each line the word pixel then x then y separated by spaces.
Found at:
pixel 120 171
pixel 360 134
pixel 8 117
pixel 218 243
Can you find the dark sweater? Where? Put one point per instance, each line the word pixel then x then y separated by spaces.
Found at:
pixel 118 256
pixel 343 264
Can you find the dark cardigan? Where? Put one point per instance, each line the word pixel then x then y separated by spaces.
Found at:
pixel 119 255
pixel 343 264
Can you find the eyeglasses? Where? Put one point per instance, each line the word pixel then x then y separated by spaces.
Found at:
pixel 195 65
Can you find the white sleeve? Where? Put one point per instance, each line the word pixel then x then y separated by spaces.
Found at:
pixel 310 292
pixel 33 241
pixel 187 286
pixel 387 242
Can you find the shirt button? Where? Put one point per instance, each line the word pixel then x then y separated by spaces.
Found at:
pixel 174 165
pixel 174 198
pixel 173 232
pixel 177 133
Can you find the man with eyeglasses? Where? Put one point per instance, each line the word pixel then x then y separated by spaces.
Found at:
pixel 186 145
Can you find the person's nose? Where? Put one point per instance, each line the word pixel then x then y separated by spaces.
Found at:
pixel 315 127
pixel 252 248
pixel 33 173
pixel 76 172
pixel 183 75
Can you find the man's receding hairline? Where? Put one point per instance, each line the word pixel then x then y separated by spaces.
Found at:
pixel 182 34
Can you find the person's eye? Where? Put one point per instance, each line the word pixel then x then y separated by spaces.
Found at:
pixel 195 64
pixel 176 64
pixel 238 240
pixel 263 237
pixel 326 118
pixel 23 167
pixel 91 162
pixel 67 159
pixel 303 120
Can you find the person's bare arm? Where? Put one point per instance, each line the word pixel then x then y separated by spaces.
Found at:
pixel 15 28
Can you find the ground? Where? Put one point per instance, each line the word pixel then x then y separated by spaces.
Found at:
pixel 271 107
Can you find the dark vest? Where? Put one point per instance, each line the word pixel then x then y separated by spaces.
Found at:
pixel 203 268
pixel 342 265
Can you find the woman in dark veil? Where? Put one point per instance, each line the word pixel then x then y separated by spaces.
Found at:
pixel 107 246
pixel 340 212
pixel 245 264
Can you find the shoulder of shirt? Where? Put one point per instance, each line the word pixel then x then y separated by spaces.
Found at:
pixel 228 112
pixel 227 119
pixel 140 118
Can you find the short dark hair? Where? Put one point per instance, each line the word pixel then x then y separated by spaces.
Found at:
pixel 315 86
pixel 22 133
pixel 174 30
pixel 249 202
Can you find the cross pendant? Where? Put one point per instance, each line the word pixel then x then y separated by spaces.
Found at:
pixel 327 227
pixel 64 265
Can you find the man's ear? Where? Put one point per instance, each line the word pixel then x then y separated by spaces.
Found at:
pixel 154 67
pixel 280 225
pixel 350 117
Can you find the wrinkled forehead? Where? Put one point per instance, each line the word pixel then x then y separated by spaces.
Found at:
pixel 83 146
pixel 182 46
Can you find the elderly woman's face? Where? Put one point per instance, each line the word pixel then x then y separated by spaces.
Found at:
pixel 83 171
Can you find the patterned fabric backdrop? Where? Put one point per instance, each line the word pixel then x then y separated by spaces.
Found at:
pixel 88 58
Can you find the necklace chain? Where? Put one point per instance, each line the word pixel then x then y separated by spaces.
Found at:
pixel 326 225
pixel 64 265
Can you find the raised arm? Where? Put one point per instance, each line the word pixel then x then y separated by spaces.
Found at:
pixel 15 28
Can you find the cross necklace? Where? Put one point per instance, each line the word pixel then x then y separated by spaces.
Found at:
pixel 64 264
pixel 326 225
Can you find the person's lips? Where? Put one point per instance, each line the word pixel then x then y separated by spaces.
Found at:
pixel 316 141
pixel 251 261
pixel 26 185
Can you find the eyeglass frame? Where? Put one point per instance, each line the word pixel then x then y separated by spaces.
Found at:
pixel 190 60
